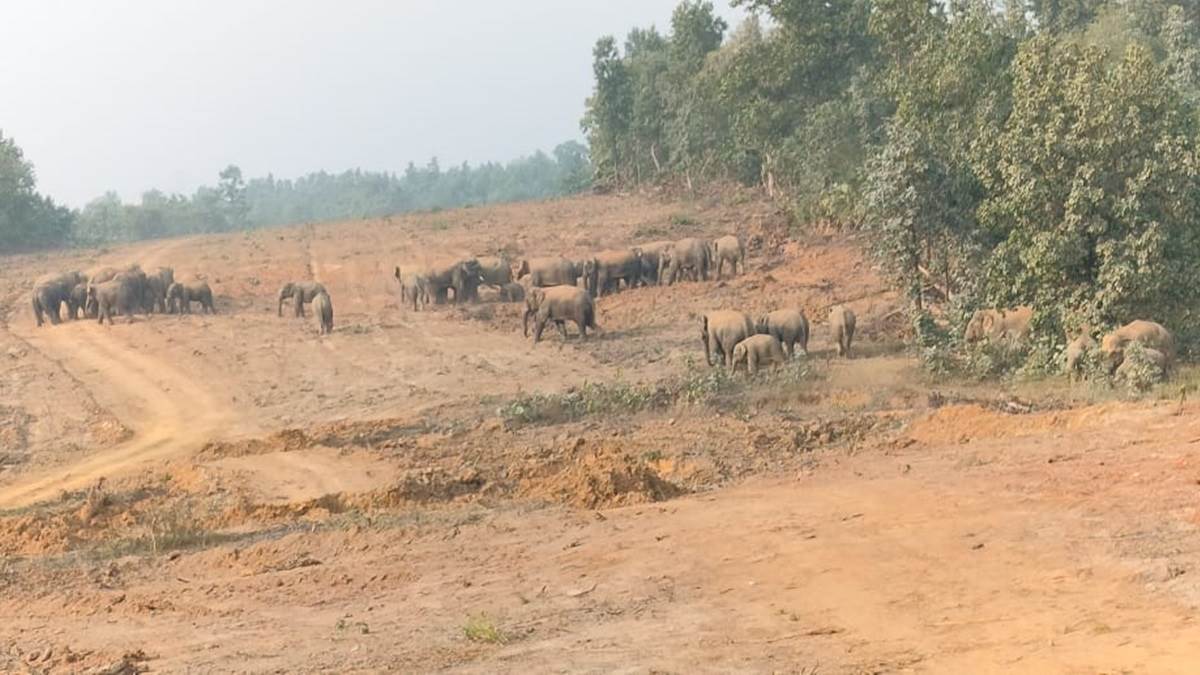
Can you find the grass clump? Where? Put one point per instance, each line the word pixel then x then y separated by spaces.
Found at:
pixel 482 628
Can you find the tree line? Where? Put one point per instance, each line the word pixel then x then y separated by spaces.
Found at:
pixel 31 220
pixel 1038 152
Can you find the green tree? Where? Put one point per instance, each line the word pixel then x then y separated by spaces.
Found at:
pixel 232 190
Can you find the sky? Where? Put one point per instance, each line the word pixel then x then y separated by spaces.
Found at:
pixel 129 95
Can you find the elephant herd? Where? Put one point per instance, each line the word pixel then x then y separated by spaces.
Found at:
pixel 1011 327
pixel 105 292
pixel 735 339
pixel 605 272
pixel 301 293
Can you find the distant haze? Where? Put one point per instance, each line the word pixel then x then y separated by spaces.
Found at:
pixel 138 94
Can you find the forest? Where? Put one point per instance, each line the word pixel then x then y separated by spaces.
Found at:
pixel 30 220
pixel 1035 153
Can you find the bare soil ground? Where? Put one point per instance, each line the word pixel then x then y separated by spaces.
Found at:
pixel 429 491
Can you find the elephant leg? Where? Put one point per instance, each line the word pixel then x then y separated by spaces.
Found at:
pixel 751 361
pixel 708 350
pixel 581 321
pixel 562 327
pixel 538 327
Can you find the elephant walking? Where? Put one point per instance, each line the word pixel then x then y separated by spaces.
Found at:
pixel 605 271
pixel 721 331
pixel 729 249
pixel 1148 333
pixel 543 272
pixel 181 296
pixel 841 329
pixel 50 292
pixel 323 309
pixel 299 292
pixel 690 256
pixel 789 326
pixel 559 304
pixel 758 350
pixel 414 289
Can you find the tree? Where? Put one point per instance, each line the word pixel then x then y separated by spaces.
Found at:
pixel 27 219
pixel 232 191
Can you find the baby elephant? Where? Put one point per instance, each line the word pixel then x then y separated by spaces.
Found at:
pixel 758 350
pixel 1078 350
pixel 181 296
pixel 512 292
pixel 789 326
pixel 323 309
pixel 841 329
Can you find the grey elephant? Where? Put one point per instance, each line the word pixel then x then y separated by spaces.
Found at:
pixel 609 268
pixel 414 289
pixel 512 292
pixel 731 249
pixel 689 256
pixel 77 305
pixel 181 296
pixel 495 270
pixel 789 326
pixel 1147 333
pixel 841 329
pixel 156 294
pixel 559 304
pixel 139 283
pixel 299 292
pixel 999 325
pixel 461 276
pixel 97 275
pixel 323 310
pixel 1077 351
pixel 113 297
pixel 651 254
pixel 50 293
pixel 758 350
pixel 721 331
pixel 543 272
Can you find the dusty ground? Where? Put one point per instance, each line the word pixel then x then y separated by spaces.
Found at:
pixel 427 491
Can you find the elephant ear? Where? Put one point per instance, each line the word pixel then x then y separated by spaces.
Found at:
pixel 989 322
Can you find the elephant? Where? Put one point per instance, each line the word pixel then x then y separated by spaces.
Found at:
pixel 841 329
pixel 728 248
pixel 137 280
pixel 116 296
pixel 156 293
pixel 758 350
pixel 182 296
pixel 463 276
pixel 789 326
pixel 323 310
pixel 299 292
pixel 999 325
pixel 1154 356
pixel 720 331
pixel 651 253
pixel 1148 333
pixel 686 255
pixel 78 302
pixel 97 275
pixel 545 272
pixel 50 292
pixel 609 268
pixel 495 270
pixel 559 304
pixel 413 289
pixel 512 292
pixel 1077 351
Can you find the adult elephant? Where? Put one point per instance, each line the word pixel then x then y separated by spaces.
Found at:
pixel 789 326
pixel 495 270
pixel 461 276
pixel 999 325
pixel 544 272
pixel 156 294
pixel 50 292
pixel 299 292
pixel 181 297
pixel 559 304
pixel 118 296
pixel 137 280
pixel 414 289
pixel 721 331
pixel 841 328
pixel 731 249
pixel 651 254
pixel 690 255
pixel 78 302
pixel 1147 333
pixel 323 309
pixel 609 268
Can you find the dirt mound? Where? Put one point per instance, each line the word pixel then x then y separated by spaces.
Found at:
pixel 961 423
pixel 287 440
pixel 602 477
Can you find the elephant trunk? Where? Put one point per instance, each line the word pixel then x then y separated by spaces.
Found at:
pixel 525 322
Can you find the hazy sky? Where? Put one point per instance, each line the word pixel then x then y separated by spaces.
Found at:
pixel 133 94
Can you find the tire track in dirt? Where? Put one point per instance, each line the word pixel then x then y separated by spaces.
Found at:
pixel 170 413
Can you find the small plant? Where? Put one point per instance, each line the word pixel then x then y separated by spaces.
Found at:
pixel 1138 371
pixel 684 220
pixel 482 628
